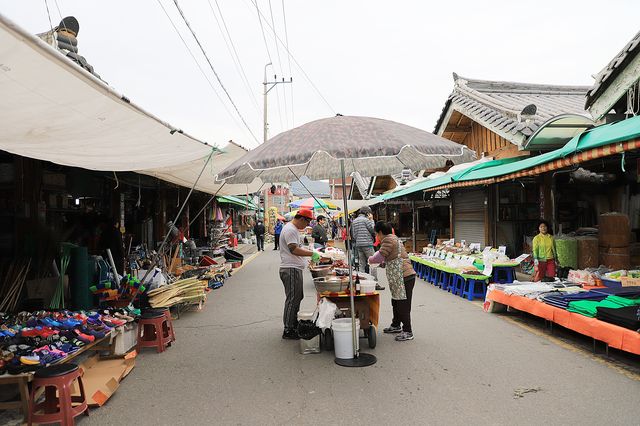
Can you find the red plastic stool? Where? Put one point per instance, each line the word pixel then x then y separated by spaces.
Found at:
pixel 58 405
pixel 168 326
pixel 153 331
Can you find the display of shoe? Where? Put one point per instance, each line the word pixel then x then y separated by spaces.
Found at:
pixel 86 338
pixel 30 359
pixel 290 335
pixel 404 336
pixel 392 329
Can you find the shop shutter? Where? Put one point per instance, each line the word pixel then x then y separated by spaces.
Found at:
pixel 468 215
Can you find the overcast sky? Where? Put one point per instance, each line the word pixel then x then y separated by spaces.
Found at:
pixel 386 59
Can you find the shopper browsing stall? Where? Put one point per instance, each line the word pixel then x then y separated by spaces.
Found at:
pixel 544 253
pixel 319 233
pixel 363 236
pixel 292 264
pixel 401 278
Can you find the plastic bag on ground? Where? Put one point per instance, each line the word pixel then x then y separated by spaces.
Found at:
pixel 326 313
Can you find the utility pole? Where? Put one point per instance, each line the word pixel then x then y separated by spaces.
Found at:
pixel 268 85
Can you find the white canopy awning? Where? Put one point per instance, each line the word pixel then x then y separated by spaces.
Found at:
pixel 53 110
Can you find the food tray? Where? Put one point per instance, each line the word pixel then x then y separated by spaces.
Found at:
pixel 332 284
pixel 320 271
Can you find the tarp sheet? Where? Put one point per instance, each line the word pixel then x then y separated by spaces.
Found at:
pixel 53 110
pixel 230 199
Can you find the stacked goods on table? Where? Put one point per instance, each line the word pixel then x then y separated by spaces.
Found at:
pixel 188 291
pixel 614 240
pixel 29 341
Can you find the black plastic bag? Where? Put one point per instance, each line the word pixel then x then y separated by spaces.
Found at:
pixel 307 329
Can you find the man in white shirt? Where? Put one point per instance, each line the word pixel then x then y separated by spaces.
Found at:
pixel 292 263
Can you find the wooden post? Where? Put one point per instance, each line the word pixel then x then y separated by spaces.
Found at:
pixel 413 224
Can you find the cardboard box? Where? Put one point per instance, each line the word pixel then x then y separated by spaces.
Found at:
pixel 126 338
pixel 102 377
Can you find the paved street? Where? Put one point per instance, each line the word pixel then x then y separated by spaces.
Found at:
pixel 230 366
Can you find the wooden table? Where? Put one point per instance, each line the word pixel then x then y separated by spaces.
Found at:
pixel 22 380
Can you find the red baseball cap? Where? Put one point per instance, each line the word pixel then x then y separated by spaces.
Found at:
pixel 305 213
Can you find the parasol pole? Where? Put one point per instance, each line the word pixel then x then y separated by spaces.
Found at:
pixel 313 196
pixel 352 290
pixel 360 359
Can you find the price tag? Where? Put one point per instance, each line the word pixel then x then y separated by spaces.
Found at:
pixel 488 269
pixel 502 249
pixel 520 258
pixel 487 249
pixel 475 246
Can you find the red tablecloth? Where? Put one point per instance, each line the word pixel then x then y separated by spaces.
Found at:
pixel 615 336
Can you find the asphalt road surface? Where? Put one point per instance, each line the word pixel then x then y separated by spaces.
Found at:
pixel 229 365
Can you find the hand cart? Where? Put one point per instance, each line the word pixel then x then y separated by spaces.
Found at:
pixel 366 305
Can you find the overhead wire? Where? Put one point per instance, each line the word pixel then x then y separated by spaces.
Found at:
pixel 275 39
pixel 297 64
pixel 204 74
pixel 48 15
pixel 184 18
pixel 231 47
pixel 266 46
pixel 286 38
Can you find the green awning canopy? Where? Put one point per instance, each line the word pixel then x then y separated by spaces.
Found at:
pixel 243 202
pixel 594 138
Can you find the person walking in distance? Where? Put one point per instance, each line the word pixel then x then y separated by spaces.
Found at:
pixel 258 229
pixel 363 236
pixel 292 263
pixel 277 229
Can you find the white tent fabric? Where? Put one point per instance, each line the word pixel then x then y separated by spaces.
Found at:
pixel 53 110
pixel 185 174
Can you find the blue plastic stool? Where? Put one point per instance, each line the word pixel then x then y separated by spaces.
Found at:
pixel 443 280
pixel 433 276
pixel 503 274
pixel 458 284
pixel 425 272
pixel 451 285
pixel 469 288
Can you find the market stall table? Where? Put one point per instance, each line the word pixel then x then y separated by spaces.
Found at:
pixel 451 279
pixel 612 335
pixel 22 380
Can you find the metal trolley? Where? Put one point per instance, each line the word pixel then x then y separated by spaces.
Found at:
pixel 366 305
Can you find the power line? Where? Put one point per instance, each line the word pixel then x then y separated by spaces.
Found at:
pixel 233 52
pixel 266 46
pixel 204 74
pixel 273 24
pixel 286 37
pixel 295 61
pixel 214 70
pixel 49 15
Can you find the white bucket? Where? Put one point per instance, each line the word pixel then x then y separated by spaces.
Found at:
pixel 343 338
pixel 367 286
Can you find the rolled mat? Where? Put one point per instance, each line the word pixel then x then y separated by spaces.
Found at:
pixel 614 230
pixel 81 297
pixel 615 261
pixel 587 252
pixel 567 249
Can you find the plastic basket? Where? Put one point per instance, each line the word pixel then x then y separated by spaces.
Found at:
pixel 629 282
